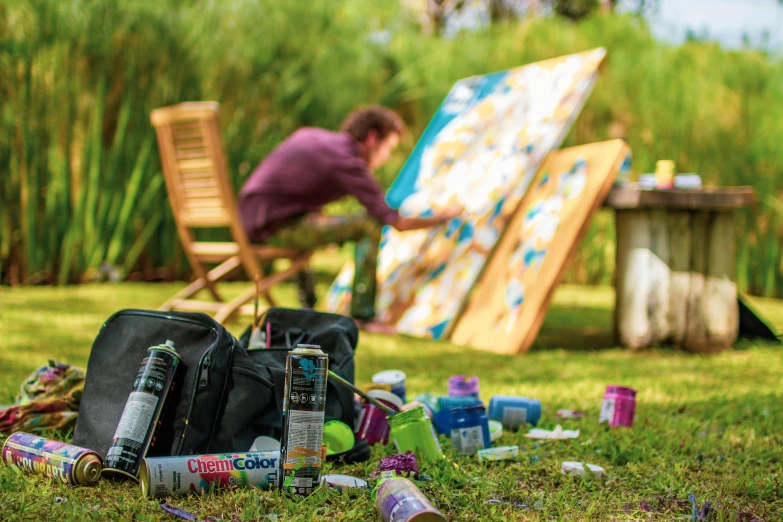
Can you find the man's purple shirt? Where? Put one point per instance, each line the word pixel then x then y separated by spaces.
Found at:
pixel 309 169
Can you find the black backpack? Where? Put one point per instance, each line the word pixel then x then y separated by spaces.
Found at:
pixel 224 395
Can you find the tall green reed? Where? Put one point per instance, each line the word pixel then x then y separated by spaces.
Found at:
pixel 83 187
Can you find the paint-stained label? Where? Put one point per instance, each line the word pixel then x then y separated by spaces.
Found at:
pixel 607 410
pixel 514 417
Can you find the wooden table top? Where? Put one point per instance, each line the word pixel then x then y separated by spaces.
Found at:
pixel 709 198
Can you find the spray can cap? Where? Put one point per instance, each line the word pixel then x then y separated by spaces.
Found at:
pixel 169 343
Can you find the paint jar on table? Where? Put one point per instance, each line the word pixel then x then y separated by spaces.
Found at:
pixel 514 412
pixel 412 431
pixel 373 425
pixel 462 386
pixel 619 406
pixel 393 378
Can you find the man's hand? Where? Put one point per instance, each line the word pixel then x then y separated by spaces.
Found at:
pixel 415 223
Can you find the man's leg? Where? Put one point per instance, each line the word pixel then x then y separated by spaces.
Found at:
pixel 314 230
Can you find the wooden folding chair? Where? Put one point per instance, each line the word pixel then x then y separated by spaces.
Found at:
pixel 201 196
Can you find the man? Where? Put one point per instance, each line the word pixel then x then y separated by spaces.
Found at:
pixel 280 204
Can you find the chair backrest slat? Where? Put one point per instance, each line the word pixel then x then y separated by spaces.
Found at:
pixel 196 173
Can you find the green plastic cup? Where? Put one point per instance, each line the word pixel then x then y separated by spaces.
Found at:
pixel 338 437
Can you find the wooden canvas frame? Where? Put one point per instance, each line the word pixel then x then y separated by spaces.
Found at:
pixel 509 303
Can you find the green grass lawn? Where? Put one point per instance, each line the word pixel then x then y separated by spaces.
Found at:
pixel 705 425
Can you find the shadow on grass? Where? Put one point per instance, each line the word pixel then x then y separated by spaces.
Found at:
pixel 576 328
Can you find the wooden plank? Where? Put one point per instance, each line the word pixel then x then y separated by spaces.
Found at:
pixel 680 225
pixel 719 301
pixel 195 164
pixel 632 322
pixel 659 274
pixel 701 199
pixel 696 330
pixel 510 301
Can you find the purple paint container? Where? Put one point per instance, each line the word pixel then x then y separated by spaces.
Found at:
pixel 398 499
pixel 373 425
pixel 618 406
pixel 462 386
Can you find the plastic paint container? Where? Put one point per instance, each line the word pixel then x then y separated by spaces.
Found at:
pixel 495 430
pixel 514 412
pixel 394 378
pixel 446 406
pixel 445 403
pixel 398 499
pixel 467 426
pixel 338 437
pixel 412 431
pixel 462 386
pixel 373 425
pixel 618 406
pixel 499 453
pixel 430 403
pixel 577 468
pixel 342 482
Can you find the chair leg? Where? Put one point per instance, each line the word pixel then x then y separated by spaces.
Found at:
pixel 265 284
pixel 214 275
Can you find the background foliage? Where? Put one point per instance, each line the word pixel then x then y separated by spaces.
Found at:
pixel 82 196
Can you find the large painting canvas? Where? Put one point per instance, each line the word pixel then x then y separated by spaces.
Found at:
pixel 480 150
pixel 508 304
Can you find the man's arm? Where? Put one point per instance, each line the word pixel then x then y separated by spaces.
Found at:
pixel 414 223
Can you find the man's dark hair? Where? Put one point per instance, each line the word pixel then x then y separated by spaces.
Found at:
pixel 374 117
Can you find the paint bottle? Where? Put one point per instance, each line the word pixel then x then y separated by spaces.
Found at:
pixel 141 416
pixel 63 462
pixel 373 425
pixel 395 379
pixel 618 406
pixel 428 401
pixel 304 407
pixel 462 386
pixel 444 403
pixel 514 412
pixel 398 499
pixel 443 419
pixel 468 428
pixel 412 431
pixel 162 477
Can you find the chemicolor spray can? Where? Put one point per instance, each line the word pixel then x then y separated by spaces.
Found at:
pixel 66 463
pixel 175 476
pixel 303 419
pixel 142 412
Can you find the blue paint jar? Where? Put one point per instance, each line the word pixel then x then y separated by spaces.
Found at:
pixel 514 412
pixel 469 429
pixel 456 402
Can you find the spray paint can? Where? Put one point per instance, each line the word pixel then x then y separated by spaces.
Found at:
pixel 398 499
pixel 304 404
pixel 176 476
pixel 141 416
pixel 66 463
pixel 618 406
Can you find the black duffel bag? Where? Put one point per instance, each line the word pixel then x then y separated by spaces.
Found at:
pixel 225 396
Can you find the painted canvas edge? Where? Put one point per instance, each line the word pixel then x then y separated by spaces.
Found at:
pixel 535 326
pixel 559 142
